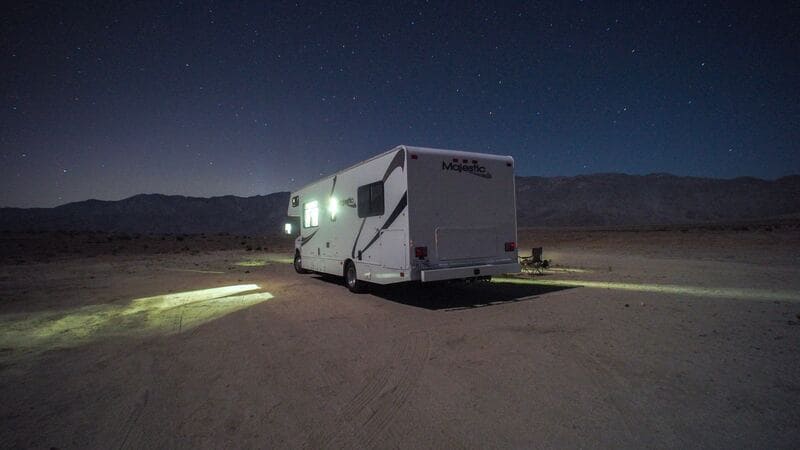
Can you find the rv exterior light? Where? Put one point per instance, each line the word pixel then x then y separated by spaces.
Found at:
pixel 333 207
pixel 511 246
pixel 288 228
pixel 421 252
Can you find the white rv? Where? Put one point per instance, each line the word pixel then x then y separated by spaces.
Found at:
pixel 410 214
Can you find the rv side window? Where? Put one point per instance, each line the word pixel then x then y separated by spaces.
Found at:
pixel 370 200
pixel 311 214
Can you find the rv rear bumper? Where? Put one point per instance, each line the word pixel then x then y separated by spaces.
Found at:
pixel 468 272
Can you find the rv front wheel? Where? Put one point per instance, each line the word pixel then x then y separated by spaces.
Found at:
pixel 351 278
pixel 298 263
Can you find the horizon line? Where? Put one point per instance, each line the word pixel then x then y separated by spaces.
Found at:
pixel 595 174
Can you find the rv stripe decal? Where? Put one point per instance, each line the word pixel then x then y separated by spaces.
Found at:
pixel 355 242
pixel 305 240
pixel 399 160
pixel 401 205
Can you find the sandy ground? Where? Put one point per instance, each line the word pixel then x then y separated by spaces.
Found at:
pixel 636 338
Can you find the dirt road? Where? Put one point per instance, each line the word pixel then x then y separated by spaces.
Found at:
pixel 616 347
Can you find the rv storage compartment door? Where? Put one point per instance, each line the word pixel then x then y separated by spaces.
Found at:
pixel 393 248
pixel 465 243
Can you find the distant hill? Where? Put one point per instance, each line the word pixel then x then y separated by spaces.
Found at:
pixel 585 200
pixel 156 213
pixel 655 199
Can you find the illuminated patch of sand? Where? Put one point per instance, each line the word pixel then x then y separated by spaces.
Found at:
pixel 192 270
pixel 163 314
pixel 269 259
pixel 252 263
pixel 566 270
pixel 695 291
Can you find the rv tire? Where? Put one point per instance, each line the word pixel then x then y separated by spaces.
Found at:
pixel 351 278
pixel 298 263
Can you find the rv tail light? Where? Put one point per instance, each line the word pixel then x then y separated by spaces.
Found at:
pixel 413 156
pixel 511 246
pixel 421 252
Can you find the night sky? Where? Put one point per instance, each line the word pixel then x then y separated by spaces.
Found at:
pixel 212 98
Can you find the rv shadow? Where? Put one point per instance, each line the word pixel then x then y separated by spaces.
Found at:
pixel 454 296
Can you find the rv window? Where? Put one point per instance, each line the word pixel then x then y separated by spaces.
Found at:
pixel 311 214
pixel 376 199
pixel 370 200
pixel 363 201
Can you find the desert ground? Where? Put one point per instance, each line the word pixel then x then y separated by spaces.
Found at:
pixel 640 337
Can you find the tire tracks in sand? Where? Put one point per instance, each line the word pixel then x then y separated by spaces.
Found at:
pixel 632 414
pixel 363 419
pixel 133 418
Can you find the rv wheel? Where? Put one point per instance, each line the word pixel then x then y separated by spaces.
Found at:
pixel 351 279
pixel 298 263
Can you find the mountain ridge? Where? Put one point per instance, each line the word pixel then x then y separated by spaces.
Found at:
pixel 602 199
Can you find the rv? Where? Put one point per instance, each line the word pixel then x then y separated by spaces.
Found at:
pixel 409 214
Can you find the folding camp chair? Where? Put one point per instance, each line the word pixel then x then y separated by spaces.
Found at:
pixel 534 263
